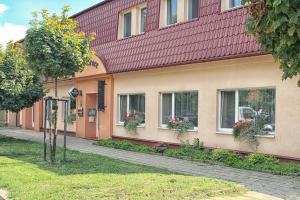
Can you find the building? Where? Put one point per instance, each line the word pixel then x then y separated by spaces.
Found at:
pixel 189 59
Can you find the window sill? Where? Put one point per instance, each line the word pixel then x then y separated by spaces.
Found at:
pixel 177 24
pixel 195 130
pixel 132 36
pixel 140 126
pixel 259 136
pixel 232 9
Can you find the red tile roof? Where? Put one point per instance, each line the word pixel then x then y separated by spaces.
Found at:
pixel 214 36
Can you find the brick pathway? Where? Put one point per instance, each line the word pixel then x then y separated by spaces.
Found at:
pixel 280 186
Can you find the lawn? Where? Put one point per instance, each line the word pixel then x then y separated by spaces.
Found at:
pixel 86 176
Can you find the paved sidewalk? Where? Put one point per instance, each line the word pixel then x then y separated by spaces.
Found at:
pixel 280 186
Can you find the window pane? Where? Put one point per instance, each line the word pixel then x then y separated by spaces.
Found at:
pixel 235 3
pixel 137 105
pixel 171 12
pixel 258 105
pixel 193 9
pixel 143 19
pixel 123 107
pixel 166 108
pixel 186 106
pixel 127 24
pixel 227 109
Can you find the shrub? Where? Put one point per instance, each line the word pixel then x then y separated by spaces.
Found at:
pixel 226 157
pixel 261 159
pixel 197 144
pixel 125 145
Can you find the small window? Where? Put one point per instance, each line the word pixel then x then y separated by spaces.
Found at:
pixel 127 24
pixel 179 105
pixel 131 104
pixel 256 105
pixel 143 20
pixel 171 12
pixel 234 3
pixel 193 9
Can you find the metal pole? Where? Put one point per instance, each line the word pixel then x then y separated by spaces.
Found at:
pixel 65 131
pixel 45 129
pixel 50 124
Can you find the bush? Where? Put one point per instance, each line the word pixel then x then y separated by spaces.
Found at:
pixel 226 157
pixel 262 162
pixel 261 159
pixel 125 145
pixel 196 151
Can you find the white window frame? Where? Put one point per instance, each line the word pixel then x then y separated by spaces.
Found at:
pixel 166 14
pixel 119 106
pixel 229 130
pixel 173 107
pixel 140 19
pixel 187 11
pixel 123 21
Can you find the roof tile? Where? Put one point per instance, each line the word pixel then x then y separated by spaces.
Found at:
pixel 215 35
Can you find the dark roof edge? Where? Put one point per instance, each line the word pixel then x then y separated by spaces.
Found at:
pixel 90 8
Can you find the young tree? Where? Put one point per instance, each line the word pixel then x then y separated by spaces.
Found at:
pixel 56 50
pixel 19 85
pixel 276 25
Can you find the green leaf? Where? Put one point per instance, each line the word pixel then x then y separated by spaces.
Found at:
pixel 291 31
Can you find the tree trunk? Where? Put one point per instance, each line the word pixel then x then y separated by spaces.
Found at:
pixel 55 126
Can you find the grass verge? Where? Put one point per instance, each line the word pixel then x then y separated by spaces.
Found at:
pixel 86 176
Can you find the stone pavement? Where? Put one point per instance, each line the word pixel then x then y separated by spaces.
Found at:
pixel 279 186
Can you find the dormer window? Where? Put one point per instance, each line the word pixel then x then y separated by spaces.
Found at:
pixel 177 11
pixel 193 9
pixel 235 3
pixel 132 21
pixel 171 12
pixel 127 24
pixel 229 4
pixel 143 16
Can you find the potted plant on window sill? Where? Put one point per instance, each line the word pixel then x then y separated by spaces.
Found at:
pixel 180 125
pixel 132 121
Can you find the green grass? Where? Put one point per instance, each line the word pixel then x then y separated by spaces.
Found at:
pixel 255 161
pixel 86 176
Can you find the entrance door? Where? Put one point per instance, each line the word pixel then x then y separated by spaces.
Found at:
pixel 91 117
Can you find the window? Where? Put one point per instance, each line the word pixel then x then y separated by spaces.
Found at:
pixel 127 24
pixel 257 105
pixel 171 12
pixel 193 9
pixel 131 104
pixel 179 105
pixel 143 19
pixel 234 3
pixel 132 21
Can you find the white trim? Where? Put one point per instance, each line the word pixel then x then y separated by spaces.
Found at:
pixel 32 116
pixel 236 90
pixel 164 126
pixel 119 122
pixel 140 18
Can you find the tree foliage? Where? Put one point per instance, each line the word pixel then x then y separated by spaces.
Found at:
pixel 54 47
pixel 19 85
pixel 276 25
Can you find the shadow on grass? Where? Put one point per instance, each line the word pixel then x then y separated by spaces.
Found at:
pixel 78 163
